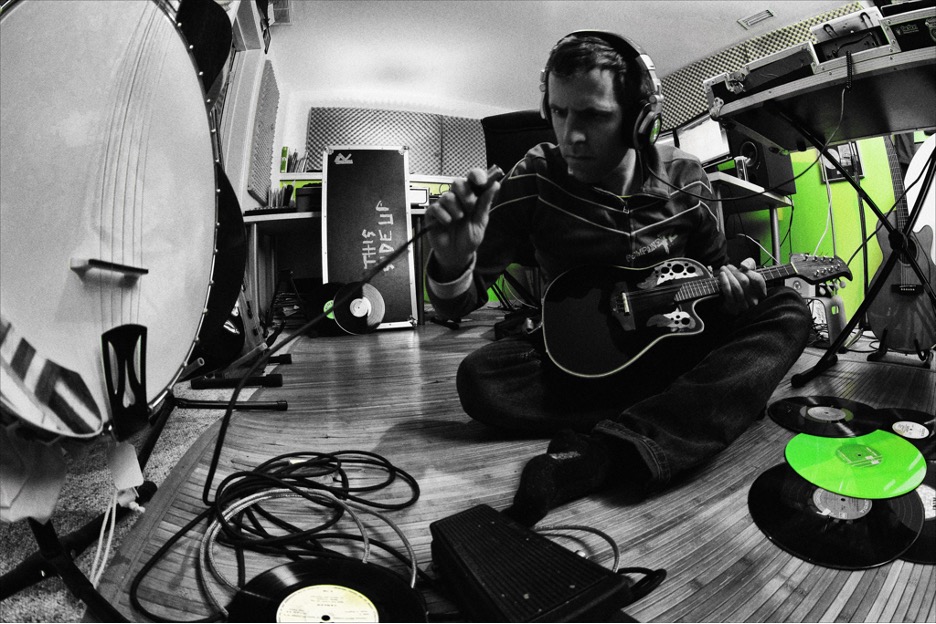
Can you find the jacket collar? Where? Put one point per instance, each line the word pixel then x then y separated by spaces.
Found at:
pixel 655 185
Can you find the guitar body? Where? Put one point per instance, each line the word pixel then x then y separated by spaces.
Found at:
pixel 902 316
pixel 598 320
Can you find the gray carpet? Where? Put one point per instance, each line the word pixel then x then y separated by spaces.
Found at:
pixel 84 496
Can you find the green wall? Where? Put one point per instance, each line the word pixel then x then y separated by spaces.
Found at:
pixel 811 231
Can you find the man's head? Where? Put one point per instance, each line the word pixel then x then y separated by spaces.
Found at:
pixel 602 96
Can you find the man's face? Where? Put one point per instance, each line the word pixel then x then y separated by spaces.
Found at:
pixel 587 119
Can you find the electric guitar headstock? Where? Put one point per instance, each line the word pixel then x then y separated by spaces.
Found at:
pixel 817 269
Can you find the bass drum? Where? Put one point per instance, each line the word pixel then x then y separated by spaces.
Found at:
pixel 108 189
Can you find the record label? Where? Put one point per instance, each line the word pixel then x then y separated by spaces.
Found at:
pixel 829 529
pixel 876 465
pixel 828 414
pixel 824 416
pixel 923 549
pixel 928 497
pixel 918 428
pixel 326 603
pixel 328 590
pixel 840 507
pixel 910 429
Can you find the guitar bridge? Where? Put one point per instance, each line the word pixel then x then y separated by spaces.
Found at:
pixel 620 304
pixel 621 309
pixel 907 289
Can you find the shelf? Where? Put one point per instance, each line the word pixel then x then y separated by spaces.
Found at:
pixel 729 187
pixel 308 175
pixel 892 94
pixel 282 216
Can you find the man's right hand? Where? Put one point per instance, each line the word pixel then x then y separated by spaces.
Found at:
pixel 458 220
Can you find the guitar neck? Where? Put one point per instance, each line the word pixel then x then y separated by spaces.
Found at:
pixel 709 286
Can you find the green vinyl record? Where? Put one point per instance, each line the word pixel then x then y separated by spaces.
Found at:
pixel 875 465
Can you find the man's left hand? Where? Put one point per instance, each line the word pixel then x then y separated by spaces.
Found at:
pixel 742 288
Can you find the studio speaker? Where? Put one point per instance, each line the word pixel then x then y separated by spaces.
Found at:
pixel 766 166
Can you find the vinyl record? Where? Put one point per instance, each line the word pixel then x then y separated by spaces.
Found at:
pixel 917 428
pixel 362 312
pixel 328 590
pixel 322 299
pixel 923 549
pixel 876 465
pixel 830 529
pixel 824 416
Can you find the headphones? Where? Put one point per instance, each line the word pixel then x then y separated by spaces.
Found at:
pixel 648 121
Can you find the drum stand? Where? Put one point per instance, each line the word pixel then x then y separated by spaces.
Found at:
pixel 224 378
pixel 898 238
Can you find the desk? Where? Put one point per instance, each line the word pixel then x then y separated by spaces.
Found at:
pixel 289 239
pixel 726 186
pixel 293 240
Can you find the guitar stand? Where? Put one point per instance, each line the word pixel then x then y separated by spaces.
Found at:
pixel 898 238
pixel 880 355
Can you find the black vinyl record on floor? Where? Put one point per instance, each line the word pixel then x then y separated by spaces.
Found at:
pixel 328 590
pixel 923 549
pixel 829 529
pixel 916 427
pixel 359 308
pixel 826 416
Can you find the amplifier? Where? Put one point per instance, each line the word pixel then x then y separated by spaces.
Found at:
pixel 914 29
pixel 787 65
pixel 500 571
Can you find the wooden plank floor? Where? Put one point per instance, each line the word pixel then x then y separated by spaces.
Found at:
pixel 393 393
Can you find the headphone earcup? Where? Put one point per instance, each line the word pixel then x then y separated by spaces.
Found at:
pixel 544 100
pixel 646 126
pixel 640 128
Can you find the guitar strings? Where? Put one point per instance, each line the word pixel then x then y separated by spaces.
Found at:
pixel 147 97
pixel 114 168
pixel 112 164
pixel 917 180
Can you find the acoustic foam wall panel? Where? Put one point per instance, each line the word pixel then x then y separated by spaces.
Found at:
pixel 438 144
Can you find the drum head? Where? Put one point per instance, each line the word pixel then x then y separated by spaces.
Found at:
pixel 106 156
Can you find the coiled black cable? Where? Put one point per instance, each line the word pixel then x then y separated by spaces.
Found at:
pixel 304 475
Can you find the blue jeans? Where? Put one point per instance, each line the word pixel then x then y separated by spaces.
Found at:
pixel 678 405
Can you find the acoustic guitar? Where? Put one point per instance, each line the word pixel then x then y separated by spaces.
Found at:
pixel 108 199
pixel 902 315
pixel 598 320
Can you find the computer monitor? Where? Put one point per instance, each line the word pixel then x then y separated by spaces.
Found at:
pixel 705 139
pixel 508 136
